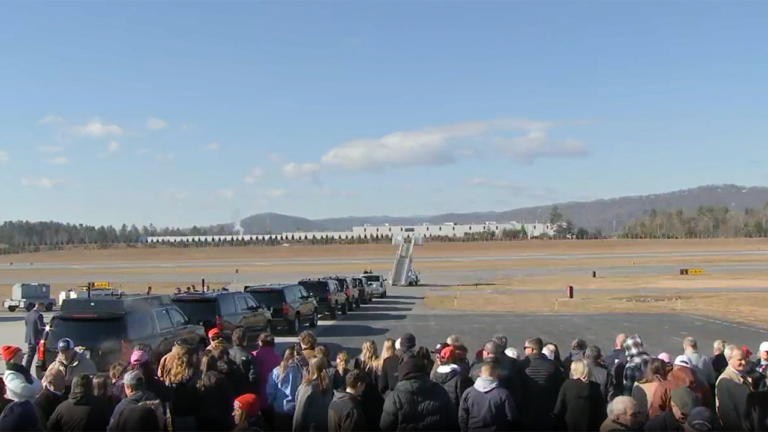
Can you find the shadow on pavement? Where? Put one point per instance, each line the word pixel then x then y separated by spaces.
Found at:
pixel 390 302
pixel 352 330
pixel 403 297
pixel 371 316
pixel 374 309
pixel 6 319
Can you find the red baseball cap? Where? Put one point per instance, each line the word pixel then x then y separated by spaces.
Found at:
pixel 214 332
pixel 447 353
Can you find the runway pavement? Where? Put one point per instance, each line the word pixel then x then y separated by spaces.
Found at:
pixel 404 311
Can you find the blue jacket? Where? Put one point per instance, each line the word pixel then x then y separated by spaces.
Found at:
pixel 281 391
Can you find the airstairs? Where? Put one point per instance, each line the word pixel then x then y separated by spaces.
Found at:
pixel 402 271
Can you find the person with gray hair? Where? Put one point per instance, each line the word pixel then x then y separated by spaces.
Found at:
pixel 501 340
pixel 700 364
pixel 137 394
pixel 719 363
pixel 506 368
pixel 623 415
pixel 732 389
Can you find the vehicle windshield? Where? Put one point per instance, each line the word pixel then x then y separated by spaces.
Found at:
pixel 372 278
pixel 268 298
pixel 198 311
pixel 89 331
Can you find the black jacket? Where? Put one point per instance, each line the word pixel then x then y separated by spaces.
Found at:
pixel 388 375
pixel 80 413
pixel 215 411
pixel 580 406
pixel 487 406
pixel 540 379
pixel 345 414
pixel 19 416
pixel 664 422
pixel 46 403
pixel 599 374
pixel 184 403
pixel 756 412
pixel 246 362
pixel 508 374
pixel 719 363
pixel 137 418
pixel 120 416
pixel 453 381
pixel 254 424
pixel 418 404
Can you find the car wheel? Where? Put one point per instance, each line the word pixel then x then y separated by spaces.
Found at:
pixel 344 309
pixel 313 323
pixel 333 314
pixel 49 307
pixel 12 308
pixel 296 329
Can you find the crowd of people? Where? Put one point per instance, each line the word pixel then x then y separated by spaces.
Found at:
pixel 403 387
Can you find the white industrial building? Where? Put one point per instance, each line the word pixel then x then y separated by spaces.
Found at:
pixel 422 230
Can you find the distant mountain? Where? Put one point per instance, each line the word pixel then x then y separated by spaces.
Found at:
pixel 590 214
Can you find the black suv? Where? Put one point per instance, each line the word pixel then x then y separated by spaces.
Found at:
pixel 225 310
pixel 330 298
pixel 352 296
pixel 109 327
pixel 291 305
pixel 363 290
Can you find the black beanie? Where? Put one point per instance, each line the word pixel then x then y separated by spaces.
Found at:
pixel 407 342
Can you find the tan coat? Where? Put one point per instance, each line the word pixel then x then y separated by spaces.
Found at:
pixel 80 364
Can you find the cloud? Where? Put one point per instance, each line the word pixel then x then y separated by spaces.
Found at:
pixel 164 157
pixel 60 160
pixel 112 147
pixel 142 152
pixel 434 145
pixel 49 149
pixel 274 157
pixel 536 144
pixel 51 119
pixel 178 194
pixel 4 158
pixel 213 146
pixel 96 129
pixel 226 193
pixel 254 175
pixel 275 193
pixel 294 170
pixel 156 124
pixel 40 182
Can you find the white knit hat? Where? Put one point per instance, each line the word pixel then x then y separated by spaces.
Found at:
pixel 763 347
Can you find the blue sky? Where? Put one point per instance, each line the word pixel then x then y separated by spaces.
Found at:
pixel 181 113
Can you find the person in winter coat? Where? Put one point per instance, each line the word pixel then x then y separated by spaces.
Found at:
pixel 540 381
pixel 181 380
pixel 652 392
pixel 34 327
pixel 598 373
pixel 335 378
pixel 506 369
pixel 487 406
pixel 71 361
pixel 51 397
pixel 637 360
pixel 216 397
pixel 217 340
pixel 313 398
pixel 700 364
pixel 307 345
pixel 578 349
pixel 756 411
pixel 138 418
pixel 615 362
pixel 136 395
pixel 388 367
pixel 265 361
pixel 82 411
pixel 102 389
pixel 167 360
pixel 623 416
pixel 20 384
pixel 281 390
pixel 580 405
pixel 682 404
pixel 245 361
pixel 19 416
pixel 683 376
pixel 449 375
pixel 369 362
pixel 4 401
pixel 345 413
pixel 341 371
pixel 417 403
pixel 719 363
pixel 140 362
pixel 732 389
pixel 246 414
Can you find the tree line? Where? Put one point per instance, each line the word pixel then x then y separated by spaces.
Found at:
pixel 705 222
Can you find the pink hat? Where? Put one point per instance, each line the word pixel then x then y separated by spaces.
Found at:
pixel 664 356
pixel 138 357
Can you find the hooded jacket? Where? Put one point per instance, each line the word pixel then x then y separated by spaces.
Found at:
pixel 46 403
pixel 20 385
pixel 19 416
pixel 80 364
pixel 580 406
pixel 508 375
pixel 682 376
pixel 487 406
pixel 453 380
pixel 637 361
pixel 281 390
pixel 80 412
pixel 345 413
pixel 540 380
pixel 417 403
pixel 312 408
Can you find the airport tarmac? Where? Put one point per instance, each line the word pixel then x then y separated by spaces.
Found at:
pixel 403 311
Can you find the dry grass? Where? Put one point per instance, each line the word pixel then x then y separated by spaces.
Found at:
pixel 386 250
pixel 743 306
pixel 727 280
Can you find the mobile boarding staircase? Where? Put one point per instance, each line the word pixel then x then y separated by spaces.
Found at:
pixel 403 262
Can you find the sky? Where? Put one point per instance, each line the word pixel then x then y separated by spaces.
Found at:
pixel 193 113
